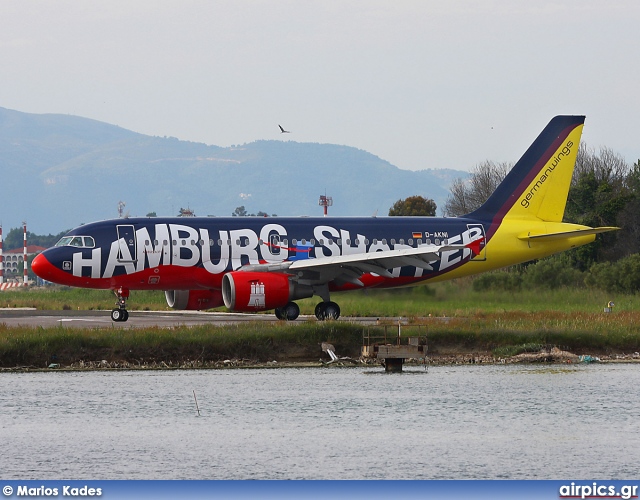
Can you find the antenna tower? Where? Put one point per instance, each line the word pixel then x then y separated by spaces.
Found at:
pixel 325 201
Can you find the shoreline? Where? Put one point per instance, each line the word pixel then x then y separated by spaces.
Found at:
pixel 485 339
pixel 540 358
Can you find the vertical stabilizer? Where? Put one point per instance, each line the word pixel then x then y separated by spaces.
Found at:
pixel 538 185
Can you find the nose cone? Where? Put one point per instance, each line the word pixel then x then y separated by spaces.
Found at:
pixel 42 267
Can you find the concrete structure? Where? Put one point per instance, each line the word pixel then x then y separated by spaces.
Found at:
pixel 13 258
pixel 392 350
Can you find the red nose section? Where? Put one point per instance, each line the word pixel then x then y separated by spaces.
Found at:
pixel 43 268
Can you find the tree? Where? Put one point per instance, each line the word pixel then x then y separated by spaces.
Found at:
pixel 240 212
pixel 15 239
pixel 601 194
pixel 468 195
pixel 415 206
pixel 628 238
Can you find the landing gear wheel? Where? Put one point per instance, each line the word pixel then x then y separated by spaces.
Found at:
pixel 279 313
pixel 320 311
pixel 118 314
pixel 327 310
pixel 332 310
pixel 291 311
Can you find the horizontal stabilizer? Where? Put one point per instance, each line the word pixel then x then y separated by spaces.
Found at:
pixel 566 234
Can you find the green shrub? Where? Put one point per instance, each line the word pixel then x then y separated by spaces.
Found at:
pixel 498 280
pixel 621 276
pixel 551 274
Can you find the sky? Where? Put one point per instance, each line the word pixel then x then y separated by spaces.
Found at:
pixel 421 84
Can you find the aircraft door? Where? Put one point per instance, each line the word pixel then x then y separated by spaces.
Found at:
pixel 476 232
pixel 126 243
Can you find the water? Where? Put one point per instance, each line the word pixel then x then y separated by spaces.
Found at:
pixel 460 422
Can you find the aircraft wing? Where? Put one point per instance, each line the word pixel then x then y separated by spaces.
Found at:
pixel 349 268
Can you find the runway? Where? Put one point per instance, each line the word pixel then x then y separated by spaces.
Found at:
pixel 13 317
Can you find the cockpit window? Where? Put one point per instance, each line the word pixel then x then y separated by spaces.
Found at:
pixel 76 241
pixel 64 241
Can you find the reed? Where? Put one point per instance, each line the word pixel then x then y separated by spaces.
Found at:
pixel 497 333
pixel 258 341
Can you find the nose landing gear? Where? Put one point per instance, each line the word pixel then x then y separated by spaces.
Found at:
pixel 120 313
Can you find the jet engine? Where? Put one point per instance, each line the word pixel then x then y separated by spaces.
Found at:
pixel 193 300
pixel 258 291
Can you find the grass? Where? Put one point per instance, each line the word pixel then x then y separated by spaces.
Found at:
pixel 454 317
pixel 501 334
pixel 259 341
pixel 452 298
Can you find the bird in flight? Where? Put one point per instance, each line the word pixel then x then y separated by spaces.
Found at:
pixel 283 131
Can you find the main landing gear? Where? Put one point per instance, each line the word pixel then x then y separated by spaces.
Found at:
pixel 324 311
pixel 327 310
pixel 120 313
pixel 289 312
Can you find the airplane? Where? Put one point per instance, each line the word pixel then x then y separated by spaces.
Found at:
pixel 256 264
pixel 283 131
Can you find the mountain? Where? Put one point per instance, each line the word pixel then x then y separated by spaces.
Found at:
pixel 60 171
